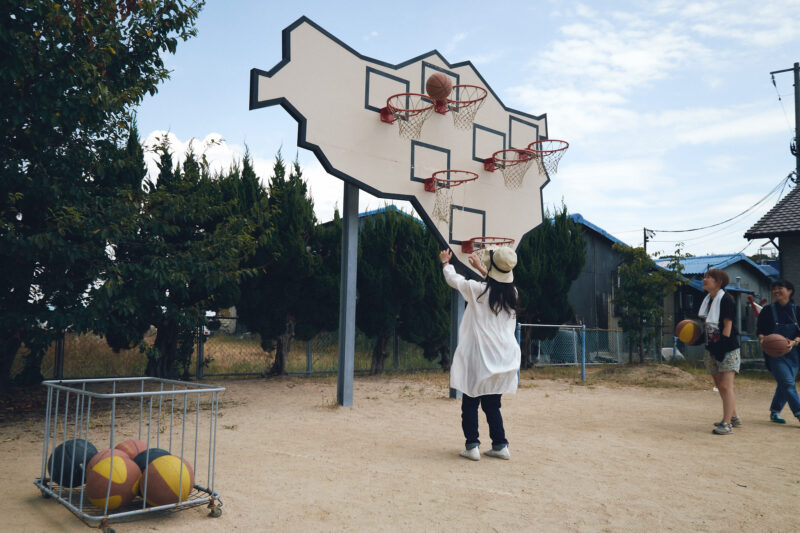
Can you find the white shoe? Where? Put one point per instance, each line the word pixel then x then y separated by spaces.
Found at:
pixel 500 454
pixel 473 454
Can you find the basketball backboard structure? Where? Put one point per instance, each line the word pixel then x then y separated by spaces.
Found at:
pixel 336 96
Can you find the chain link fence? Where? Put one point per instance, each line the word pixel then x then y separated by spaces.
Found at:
pixel 231 350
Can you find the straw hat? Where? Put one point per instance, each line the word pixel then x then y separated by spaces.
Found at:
pixel 500 264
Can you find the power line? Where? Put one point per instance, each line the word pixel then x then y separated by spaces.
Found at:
pixel 770 193
pixel 785 115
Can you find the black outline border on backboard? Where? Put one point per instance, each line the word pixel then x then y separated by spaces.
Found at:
pixel 302 141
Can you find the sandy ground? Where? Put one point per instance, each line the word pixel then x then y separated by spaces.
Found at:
pixel 584 458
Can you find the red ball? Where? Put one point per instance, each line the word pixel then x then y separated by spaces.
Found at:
pixel 776 345
pixel 124 476
pixel 689 332
pixel 438 86
pixel 168 479
pixel 132 447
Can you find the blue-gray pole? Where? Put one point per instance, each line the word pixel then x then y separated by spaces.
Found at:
pixel 347 296
pixel 518 335
pixel 456 312
pixel 583 352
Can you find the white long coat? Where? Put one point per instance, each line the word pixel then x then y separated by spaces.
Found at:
pixel 487 357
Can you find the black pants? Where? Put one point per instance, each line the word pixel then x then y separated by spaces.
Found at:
pixel 490 404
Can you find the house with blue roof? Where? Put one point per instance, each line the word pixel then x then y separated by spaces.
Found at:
pixel 748 280
pixel 592 293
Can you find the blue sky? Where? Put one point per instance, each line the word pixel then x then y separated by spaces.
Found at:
pixel 669 108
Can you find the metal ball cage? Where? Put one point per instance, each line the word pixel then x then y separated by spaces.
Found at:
pixel 177 416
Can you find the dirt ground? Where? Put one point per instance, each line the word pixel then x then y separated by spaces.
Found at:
pixel 604 456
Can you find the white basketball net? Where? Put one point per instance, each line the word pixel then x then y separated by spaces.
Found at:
pixel 514 165
pixel 466 107
pixel 442 203
pixel 410 112
pixel 444 192
pixel 548 154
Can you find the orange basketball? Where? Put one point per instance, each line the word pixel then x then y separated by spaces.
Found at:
pixel 168 479
pixel 438 86
pixel 776 345
pixel 689 332
pixel 132 447
pixel 124 476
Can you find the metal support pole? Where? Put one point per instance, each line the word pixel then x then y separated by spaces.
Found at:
pixel 347 296
pixel 456 312
pixel 518 335
pixel 309 363
pixel 583 352
pixel 797 119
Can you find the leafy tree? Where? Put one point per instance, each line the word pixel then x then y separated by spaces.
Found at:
pixel 182 257
pixel 425 316
pixel 549 259
pixel 72 71
pixel 642 288
pixel 397 288
pixel 280 301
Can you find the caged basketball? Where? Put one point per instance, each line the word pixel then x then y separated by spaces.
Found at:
pixel 116 477
pixel 776 345
pixel 132 447
pixel 65 464
pixel 689 332
pixel 168 479
pixel 438 86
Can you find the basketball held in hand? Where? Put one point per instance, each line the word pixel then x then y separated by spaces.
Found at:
pixel 689 332
pixel 776 345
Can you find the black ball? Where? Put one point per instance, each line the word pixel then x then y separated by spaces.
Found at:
pixel 73 470
pixel 142 459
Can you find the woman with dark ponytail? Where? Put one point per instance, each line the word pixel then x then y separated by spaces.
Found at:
pixel 487 357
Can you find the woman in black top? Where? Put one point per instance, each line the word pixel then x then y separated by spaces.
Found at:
pixel 781 317
pixel 718 310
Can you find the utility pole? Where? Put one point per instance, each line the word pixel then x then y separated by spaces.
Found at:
pixel 794 145
pixel 647 234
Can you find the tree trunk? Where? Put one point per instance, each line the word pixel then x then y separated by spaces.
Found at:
pixel 8 352
pixel 282 347
pixel 630 351
pixel 161 359
pixel 525 348
pixel 379 354
pixel 444 357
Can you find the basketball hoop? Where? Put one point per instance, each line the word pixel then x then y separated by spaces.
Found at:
pixel 548 153
pixel 481 244
pixel 469 98
pixel 409 110
pixel 442 183
pixel 514 163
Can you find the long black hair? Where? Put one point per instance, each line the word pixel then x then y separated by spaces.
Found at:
pixel 502 296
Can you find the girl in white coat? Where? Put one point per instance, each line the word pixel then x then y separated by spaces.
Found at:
pixel 487 358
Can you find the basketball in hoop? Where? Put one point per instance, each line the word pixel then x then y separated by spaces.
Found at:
pixel 548 153
pixel 442 183
pixel 514 163
pixel 409 110
pixel 468 100
pixel 481 244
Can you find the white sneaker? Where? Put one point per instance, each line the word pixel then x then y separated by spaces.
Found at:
pixel 473 454
pixel 500 454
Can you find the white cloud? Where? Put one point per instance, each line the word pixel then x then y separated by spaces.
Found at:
pixel 371 35
pixel 326 190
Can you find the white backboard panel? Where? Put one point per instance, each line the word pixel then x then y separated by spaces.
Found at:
pixel 336 94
